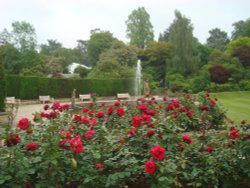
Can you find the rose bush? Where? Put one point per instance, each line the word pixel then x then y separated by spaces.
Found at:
pixel 172 143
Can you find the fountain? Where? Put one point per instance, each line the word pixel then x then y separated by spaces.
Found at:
pixel 137 82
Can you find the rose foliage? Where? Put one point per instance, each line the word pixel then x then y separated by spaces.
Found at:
pixel 182 142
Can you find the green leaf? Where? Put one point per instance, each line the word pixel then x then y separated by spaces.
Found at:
pixel 97 156
pixel 2 181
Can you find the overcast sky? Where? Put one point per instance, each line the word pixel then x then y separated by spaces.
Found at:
pixel 70 20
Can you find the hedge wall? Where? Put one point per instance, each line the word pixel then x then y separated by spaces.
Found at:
pixel 2 88
pixel 24 87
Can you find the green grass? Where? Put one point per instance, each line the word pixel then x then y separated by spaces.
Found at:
pixel 237 105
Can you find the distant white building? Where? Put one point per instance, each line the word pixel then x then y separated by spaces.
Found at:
pixel 74 65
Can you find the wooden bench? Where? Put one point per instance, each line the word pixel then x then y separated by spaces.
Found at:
pixel 44 99
pixel 86 97
pixel 10 100
pixel 123 96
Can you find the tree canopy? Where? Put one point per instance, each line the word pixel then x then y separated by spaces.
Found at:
pixel 218 39
pixel 139 28
pixel 185 56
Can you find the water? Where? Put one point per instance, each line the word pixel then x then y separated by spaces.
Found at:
pixel 137 82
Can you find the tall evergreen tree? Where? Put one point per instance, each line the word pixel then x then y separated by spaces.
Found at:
pixel 185 59
pixel 218 39
pixel 139 28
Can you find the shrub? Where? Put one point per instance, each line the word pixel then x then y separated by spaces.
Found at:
pixel 219 74
pixel 212 87
pixel 135 145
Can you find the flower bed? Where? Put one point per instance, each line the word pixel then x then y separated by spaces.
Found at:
pixel 176 143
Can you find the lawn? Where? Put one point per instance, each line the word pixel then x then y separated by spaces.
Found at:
pixel 237 105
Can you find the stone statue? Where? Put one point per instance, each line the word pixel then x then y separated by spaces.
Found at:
pixel 73 98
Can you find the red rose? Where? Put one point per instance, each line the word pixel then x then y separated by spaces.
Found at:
pixel 187 139
pixel 210 149
pixel 84 110
pixel 146 118
pixel 169 107
pixel 89 134
pixel 150 167
pixel 99 166
pixel 158 153
pixel 176 103
pixel 150 133
pixel 143 107
pixel 99 114
pixel 85 121
pixel 190 114
pixel 103 104
pixel 150 102
pixel 56 105
pixel 132 132
pixel 31 146
pixel 110 110
pixel 234 134
pixel 183 109
pixel 46 107
pixel 136 121
pixel 204 108
pixel 91 105
pixel 23 124
pixel 76 145
pixel 164 98
pixel 65 106
pixel 120 111
pixel 151 112
pixel 90 113
pixel 52 115
pixel 116 103
pixel 12 139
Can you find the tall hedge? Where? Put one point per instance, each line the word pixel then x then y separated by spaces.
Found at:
pixel 24 87
pixel 2 85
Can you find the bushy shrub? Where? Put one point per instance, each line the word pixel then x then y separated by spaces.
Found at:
pixel 212 87
pixel 219 74
pixel 245 85
pixel 134 145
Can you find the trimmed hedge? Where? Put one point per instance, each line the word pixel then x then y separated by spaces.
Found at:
pixel 25 87
pixel 2 88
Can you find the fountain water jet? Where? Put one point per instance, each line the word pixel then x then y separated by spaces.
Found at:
pixel 137 81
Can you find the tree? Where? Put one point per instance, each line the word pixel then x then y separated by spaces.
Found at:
pixel 185 56
pixel 240 41
pixel 219 74
pixel 5 37
pixel 218 39
pixel 204 53
pixel 50 48
pixel 243 53
pixel 54 65
pixel 139 28
pixel 241 28
pixel 81 52
pixel 156 59
pixel 121 53
pixel 98 43
pixel 164 36
pixel 2 82
pixel 23 35
pixel 83 72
